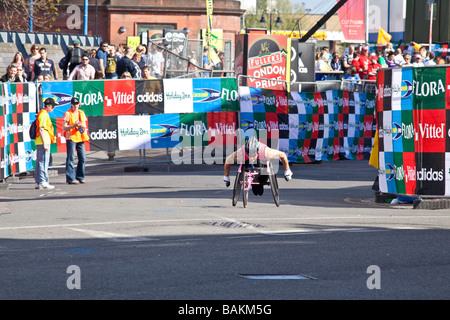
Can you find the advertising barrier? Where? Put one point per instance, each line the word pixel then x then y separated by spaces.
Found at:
pixel 173 113
pixel 17 112
pixel 413 106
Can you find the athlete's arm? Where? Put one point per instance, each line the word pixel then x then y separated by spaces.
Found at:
pixel 280 155
pixel 231 159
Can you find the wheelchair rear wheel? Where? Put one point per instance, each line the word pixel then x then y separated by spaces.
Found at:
pixel 237 187
pixel 274 185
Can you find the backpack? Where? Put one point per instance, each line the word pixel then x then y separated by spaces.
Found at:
pixel 33 129
pixel 76 56
pixel 62 63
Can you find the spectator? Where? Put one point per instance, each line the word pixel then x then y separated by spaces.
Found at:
pixel 136 60
pixel 119 52
pixel 381 60
pixel 418 61
pixel 364 63
pixel 75 128
pixel 407 58
pixel 430 59
pixel 83 71
pixel 98 75
pixel 193 62
pixel 72 58
pixel 44 138
pixel 126 75
pixel 126 64
pixel 356 62
pixel 423 53
pixel 155 60
pixel 447 60
pixel 352 77
pixel 102 55
pixel 388 49
pixel 93 61
pixel 220 65
pixel 44 66
pixel 390 60
pixel 398 58
pixel 147 73
pixel 142 50
pixel 326 50
pixel 21 74
pixel 206 64
pixel 373 67
pixel 111 64
pixel 18 60
pixel 10 75
pixel 336 63
pixel 29 60
pixel 348 58
pixel 323 63
pixel 440 60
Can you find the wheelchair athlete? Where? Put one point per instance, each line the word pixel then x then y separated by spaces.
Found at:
pixel 252 153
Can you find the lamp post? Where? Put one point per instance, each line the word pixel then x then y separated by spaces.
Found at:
pixel 263 21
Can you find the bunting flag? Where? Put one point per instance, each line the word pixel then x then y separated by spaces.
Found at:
pixel 383 37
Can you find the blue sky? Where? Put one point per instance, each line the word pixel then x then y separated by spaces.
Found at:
pixel 317 6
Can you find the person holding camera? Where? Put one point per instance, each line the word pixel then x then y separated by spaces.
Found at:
pixel 74 126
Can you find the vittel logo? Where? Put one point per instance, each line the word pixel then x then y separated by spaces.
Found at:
pixel 150 97
pixel 430 175
pixel 103 135
pixel 431 131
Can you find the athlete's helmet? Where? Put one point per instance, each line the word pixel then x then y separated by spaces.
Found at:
pixel 252 147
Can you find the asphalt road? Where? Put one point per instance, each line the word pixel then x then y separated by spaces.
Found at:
pixel 172 233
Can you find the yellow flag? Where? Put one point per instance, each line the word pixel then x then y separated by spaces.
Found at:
pixel 383 37
pixel 373 160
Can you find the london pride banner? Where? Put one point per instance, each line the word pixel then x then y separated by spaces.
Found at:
pixel 413 122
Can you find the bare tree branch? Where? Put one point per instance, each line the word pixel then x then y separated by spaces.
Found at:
pixel 15 14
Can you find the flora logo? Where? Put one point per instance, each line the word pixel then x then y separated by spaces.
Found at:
pixel 426 89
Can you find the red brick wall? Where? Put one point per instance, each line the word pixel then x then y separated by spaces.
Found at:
pixel 113 14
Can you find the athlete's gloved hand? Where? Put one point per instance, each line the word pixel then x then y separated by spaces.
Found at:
pixel 226 180
pixel 288 174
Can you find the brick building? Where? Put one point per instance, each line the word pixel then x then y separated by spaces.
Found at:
pixel 115 20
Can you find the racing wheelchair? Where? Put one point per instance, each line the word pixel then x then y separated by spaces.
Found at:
pixel 249 175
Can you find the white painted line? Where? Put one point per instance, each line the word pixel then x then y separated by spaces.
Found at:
pixel 275 277
pixel 116 237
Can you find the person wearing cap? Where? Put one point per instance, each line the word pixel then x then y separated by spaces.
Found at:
pixel 373 67
pixel 45 136
pixel 75 131
pixel 83 71
pixel 418 62
pixel 73 57
pixel 364 63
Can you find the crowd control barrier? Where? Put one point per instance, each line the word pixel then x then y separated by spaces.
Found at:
pixel 199 112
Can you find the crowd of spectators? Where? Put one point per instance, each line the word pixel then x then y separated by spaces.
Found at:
pixel 106 62
pixel 358 63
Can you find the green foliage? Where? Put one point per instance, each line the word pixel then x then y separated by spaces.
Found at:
pixel 288 12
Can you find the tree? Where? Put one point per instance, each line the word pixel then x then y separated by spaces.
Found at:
pixel 288 12
pixel 15 14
